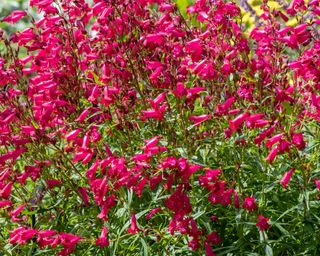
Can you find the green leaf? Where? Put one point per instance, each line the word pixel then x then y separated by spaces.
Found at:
pixel 182 5
pixel 144 247
pixel 287 107
pixel 282 230
pixel 269 251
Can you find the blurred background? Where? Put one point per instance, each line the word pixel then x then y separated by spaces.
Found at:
pixel 250 12
pixel 6 7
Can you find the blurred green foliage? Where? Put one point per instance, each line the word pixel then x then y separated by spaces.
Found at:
pixel 6 7
pixel 183 4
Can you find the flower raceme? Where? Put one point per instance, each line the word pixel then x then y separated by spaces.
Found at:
pixel 22 235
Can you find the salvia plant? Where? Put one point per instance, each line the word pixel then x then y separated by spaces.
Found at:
pixel 152 127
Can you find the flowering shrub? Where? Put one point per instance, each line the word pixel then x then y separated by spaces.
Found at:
pixel 137 127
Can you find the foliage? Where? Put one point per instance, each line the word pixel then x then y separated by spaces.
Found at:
pixel 160 128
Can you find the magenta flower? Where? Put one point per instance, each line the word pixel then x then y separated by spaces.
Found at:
pixel 53 183
pixel 209 250
pixel 21 235
pixel 6 191
pixel 152 212
pixel 236 199
pixel 134 227
pixel 83 115
pixel 84 195
pixel 14 16
pixel 107 205
pixel 139 187
pixel 249 204
pixel 69 242
pixel 297 140
pixel 236 123
pixel 102 240
pixel 197 120
pixel 180 90
pixel 272 154
pixel 156 39
pixel 16 212
pixel 286 178
pixel 213 238
pixel 223 108
pixel 194 244
pixel 317 183
pixel 46 237
pixel 263 224
pixel 72 135
pixel 270 142
pixel 5 203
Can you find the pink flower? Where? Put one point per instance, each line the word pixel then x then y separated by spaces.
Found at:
pixel 152 113
pixel 107 205
pixel 102 240
pixel 272 154
pixel 214 238
pixel 197 120
pixel 84 194
pixel 284 146
pixel 21 235
pixel 236 199
pixel 224 107
pixel 180 90
pixel 5 203
pixel 236 123
pixel 267 132
pixel 16 212
pixel 152 212
pixel 253 119
pixel 296 6
pixel 286 178
pixel 14 16
pixel 53 183
pixel 179 202
pixel 6 191
pixel 227 133
pixel 83 115
pixel 134 227
pixel 139 187
pixel 263 224
pixel 151 142
pixel 157 39
pixel 297 140
pixel 249 204
pixel 209 251
pixel 194 48
pixel 274 140
pixel 317 182
pixel 155 103
pixel 69 241
pixel 194 244
pixel 209 177
pixel 46 237
pixel 193 91
pixel 72 135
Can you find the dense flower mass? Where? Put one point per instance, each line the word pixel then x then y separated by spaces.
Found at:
pixel 160 127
